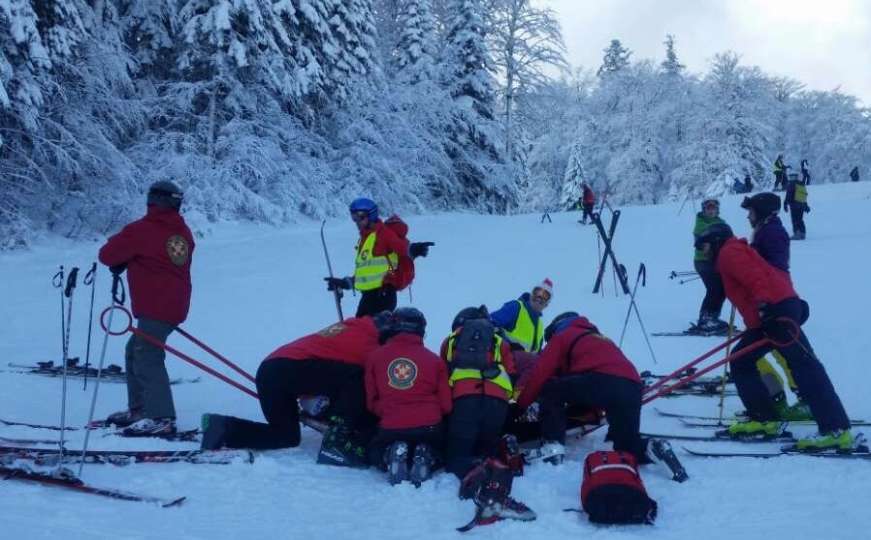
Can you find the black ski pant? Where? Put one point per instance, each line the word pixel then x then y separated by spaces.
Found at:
pixel 779 180
pixel 587 212
pixel 619 397
pixel 377 300
pixel 715 295
pixel 280 382
pixel 434 436
pixel 781 322
pixel 148 390
pixel 474 431
pixel 796 214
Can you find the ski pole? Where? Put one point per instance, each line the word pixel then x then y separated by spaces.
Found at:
pixel 57 282
pixel 118 297
pixel 642 277
pixel 89 280
pixel 725 377
pixel 337 293
pixel 68 293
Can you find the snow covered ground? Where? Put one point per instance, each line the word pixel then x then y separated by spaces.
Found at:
pixel 256 288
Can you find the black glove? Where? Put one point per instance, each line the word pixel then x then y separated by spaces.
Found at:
pixel 336 283
pixel 807 209
pixel 419 249
pixel 785 207
pixel 118 269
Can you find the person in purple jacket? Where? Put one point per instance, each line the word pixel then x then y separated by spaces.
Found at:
pixel 771 241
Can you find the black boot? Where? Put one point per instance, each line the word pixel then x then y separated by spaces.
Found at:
pixel 422 465
pixel 339 448
pixel 662 453
pixel 396 460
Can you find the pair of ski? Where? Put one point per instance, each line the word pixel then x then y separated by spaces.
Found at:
pixel 701 421
pixel 66 479
pixel 191 435
pixel 113 373
pixel 693 331
pixel 859 452
pixel 126 457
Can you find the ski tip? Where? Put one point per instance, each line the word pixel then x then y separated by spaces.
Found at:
pixel 174 502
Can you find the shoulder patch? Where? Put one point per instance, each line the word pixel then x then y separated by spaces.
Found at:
pixel 401 373
pixel 178 250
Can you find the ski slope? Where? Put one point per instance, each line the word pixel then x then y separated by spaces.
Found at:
pixel 256 288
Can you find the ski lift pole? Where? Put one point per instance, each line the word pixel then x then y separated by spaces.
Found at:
pixel 337 293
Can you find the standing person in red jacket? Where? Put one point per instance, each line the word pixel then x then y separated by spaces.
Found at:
pixel 407 389
pixel 327 363
pixel 588 201
pixel 772 309
pixel 156 251
pixel 384 262
pixel 580 366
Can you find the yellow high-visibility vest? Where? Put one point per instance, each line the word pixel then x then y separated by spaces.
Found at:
pixel 370 269
pixel 800 193
pixel 526 333
pixel 503 380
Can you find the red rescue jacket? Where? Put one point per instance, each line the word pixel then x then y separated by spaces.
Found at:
pixel 157 250
pixel 591 353
pixel 407 384
pixel 589 197
pixel 465 387
pixel 349 341
pixel 749 281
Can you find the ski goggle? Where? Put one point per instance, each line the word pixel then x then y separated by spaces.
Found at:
pixel 359 215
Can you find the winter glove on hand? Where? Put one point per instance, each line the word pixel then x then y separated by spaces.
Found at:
pixel 118 269
pixel 785 207
pixel 419 249
pixel 336 283
pixel 807 209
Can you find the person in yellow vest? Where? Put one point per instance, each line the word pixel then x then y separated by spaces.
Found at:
pixel 779 173
pixel 384 262
pixel 521 319
pixel 795 203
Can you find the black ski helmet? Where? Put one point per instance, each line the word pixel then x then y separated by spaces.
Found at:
pixel 468 314
pixel 764 204
pixel 557 323
pixel 166 194
pixel 714 235
pixel 408 319
pixel 710 200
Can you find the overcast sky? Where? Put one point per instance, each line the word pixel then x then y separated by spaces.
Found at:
pixel 822 43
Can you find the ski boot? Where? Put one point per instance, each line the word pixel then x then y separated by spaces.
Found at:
pixel 798 411
pixel 509 451
pixel 124 418
pixel 661 452
pixel 552 452
pixel 150 427
pixel 753 429
pixel 840 440
pixel 422 464
pixel 214 428
pixel 396 460
pixel 338 448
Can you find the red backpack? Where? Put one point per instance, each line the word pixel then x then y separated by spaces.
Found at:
pixel 612 491
pixel 404 273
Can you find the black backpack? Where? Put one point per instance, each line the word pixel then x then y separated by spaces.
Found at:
pixel 473 347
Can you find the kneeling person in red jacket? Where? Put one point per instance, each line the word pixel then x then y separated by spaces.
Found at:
pixel 327 363
pixel 407 388
pixel 581 367
pixel 772 309
pixel 156 251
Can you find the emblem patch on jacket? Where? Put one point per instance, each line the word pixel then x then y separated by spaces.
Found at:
pixel 178 250
pixel 332 330
pixel 401 373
